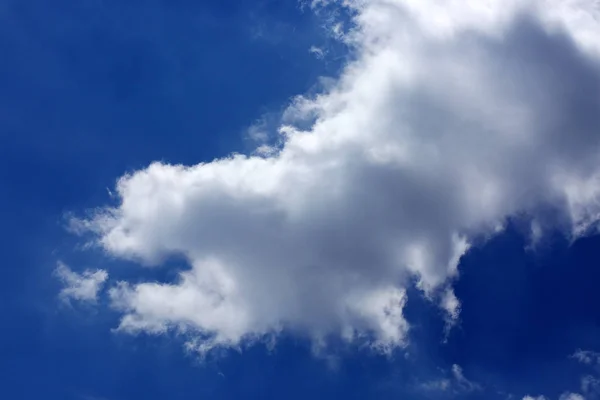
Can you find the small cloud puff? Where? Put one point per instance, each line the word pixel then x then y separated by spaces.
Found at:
pixel 457 383
pixel 571 396
pixel 318 52
pixel 587 357
pixel 81 287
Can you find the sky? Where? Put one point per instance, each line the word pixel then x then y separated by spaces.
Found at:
pixel 359 199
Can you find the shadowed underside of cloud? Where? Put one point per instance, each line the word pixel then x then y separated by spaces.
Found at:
pixel 452 117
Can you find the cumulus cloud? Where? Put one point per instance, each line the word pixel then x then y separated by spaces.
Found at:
pixel 82 287
pixel 452 117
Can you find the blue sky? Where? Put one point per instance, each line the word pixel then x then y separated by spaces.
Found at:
pixel 382 200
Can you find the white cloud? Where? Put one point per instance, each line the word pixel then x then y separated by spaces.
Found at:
pixel 587 356
pixel 82 287
pixel 453 116
pixel 318 52
pixel 590 384
pixel 463 383
pixel 571 396
pixel 457 383
pixel 436 385
pixel 450 304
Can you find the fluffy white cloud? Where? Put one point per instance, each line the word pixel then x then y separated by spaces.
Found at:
pixel 82 287
pixel 453 116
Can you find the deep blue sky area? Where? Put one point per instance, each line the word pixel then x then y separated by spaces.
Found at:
pixel 91 89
